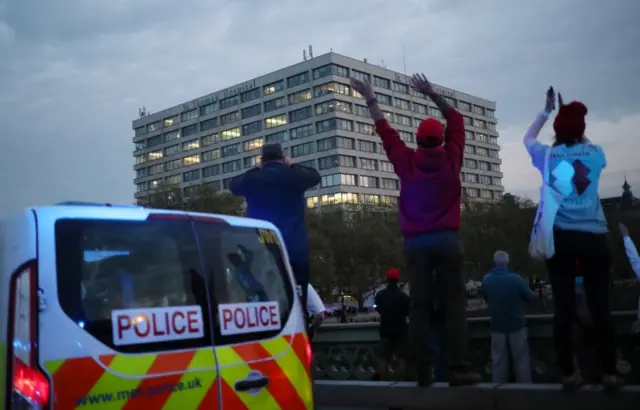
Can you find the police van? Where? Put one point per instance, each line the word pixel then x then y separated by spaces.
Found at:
pixel 114 307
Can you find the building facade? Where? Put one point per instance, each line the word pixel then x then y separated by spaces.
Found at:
pixel 311 110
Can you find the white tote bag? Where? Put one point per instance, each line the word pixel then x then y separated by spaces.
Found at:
pixel 541 245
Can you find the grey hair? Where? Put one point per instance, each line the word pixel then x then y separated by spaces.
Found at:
pixel 501 257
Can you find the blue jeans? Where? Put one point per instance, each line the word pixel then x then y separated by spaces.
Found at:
pixel 436 344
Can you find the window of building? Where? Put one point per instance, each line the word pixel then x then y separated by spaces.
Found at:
pixel 208 109
pixel 402 104
pixel 276 121
pixel 472 192
pixel 489 113
pixel 339 198
pixel 300 96
pixel 141 187
pixel 211 171
pixel 467 120
pixel 298 79
pixel 252 161
pixel 173 180
pixel 231 166
pixel 491 126
pixel 492 140
pixel 494 153
pixel 386 166
pixel 334 161
pixel 361 111
pixel 367 181
pixel 326 144
pixel 469 135
pixel 403 120
pixel 312 201
pixel 464 106
pixel 470 178
pixel 497 181
pixel 407 136
pixel 483 165
pixel 191 176
pixel 140 131
pixel 332 106
pixel 300 114
pixel 252 111
pixel 389 183
pixel 208 124
pixel 173 164
pixel 381 82
pixel 156 169
pixel 155 183
pixel 189 115
pixel 171 135
pixel 230 118
pixel 153 155
pixel 189 145
pixel 153 141
pixel 191 160
pixel 252 127
pixel 469 149
pixel 190 130
pixel 232 149
pixel 230 134
pixel 155 126
pixel 367 129
pixel 140 145
pixel 478 110
pixel 420 108
pixel 229 102
pixel 209 139
pixel 252 144
pixel 330 88
pixel 330 69
pixel 368 163
pixel 278 137
pixel 170 121
pixel 495 167
pixel 486 194
pixel 273 87
pixel 360 75
pixel 470 163
pixel 172 150
pixel 370 199
pixel 211 155
pixel 302 149
pixel 482 151
pixel 337 179
pixel 366 146
pixel 141 173
pixel 400 87
pixel 435 112
pixel 301 132
pixel 250 95
pixel 333 124
pixel 485 179
pixel 274 104
pixel 388 115
pixel 479 123
pixel 384 99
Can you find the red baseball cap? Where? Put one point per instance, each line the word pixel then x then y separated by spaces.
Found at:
pixel 430 132
pixel 393 274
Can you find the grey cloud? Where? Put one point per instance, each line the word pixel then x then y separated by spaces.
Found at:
pixel 77 72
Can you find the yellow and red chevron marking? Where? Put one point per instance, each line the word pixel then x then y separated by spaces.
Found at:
pixel 186 380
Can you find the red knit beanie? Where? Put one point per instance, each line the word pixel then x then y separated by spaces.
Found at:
pixel 430 133
pixel 569 123
pixel 393 274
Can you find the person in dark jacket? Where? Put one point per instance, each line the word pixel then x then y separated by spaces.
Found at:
pixel 274 192
pixel 393 306
pixel 429 208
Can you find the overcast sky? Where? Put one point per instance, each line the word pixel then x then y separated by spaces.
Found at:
pixel 73 73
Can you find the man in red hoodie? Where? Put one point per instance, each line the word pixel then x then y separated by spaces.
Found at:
pixel 429 208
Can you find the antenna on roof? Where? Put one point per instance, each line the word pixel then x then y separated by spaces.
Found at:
pixel 404 62
pixel 142 112
pixel 310 51
pixel 304 55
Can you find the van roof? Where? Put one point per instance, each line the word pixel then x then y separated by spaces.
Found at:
pixel 135 213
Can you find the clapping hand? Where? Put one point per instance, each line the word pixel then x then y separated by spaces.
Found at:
pixel 363 87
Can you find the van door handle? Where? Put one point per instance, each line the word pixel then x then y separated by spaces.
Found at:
pixel 252 383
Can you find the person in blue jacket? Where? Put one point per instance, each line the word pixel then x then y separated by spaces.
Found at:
pixel 274 192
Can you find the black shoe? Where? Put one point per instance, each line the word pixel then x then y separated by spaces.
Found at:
pixel 464 378
pixel 611 383
pixel 573 382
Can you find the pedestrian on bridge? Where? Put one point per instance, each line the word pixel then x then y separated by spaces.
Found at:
pixel 429 210
pixel 274 192
pixel 507 293
pixel 579 230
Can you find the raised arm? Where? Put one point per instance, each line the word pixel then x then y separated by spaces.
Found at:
pixel 632 252
pixel 304 177
pixel 535 148
pixel 238 183
pixel 454 136
pixel 397 151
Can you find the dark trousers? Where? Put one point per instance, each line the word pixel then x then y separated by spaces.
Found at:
pixel 592 252
pixel 301 274
pixel 436 333
pixel 445 259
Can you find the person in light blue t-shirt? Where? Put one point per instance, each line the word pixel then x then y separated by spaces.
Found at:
pixel 580 234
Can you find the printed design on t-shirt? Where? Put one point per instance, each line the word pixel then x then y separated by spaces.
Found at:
pixel 581 177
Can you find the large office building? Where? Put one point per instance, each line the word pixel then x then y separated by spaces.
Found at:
pixel 311 110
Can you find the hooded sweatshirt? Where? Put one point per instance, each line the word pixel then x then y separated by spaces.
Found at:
pixel 275 193
pixel 430 188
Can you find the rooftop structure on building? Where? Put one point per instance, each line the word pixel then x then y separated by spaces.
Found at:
pixel 311 110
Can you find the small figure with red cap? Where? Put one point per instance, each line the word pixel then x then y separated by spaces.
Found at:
pixel 429 210
pixel 572 166
pixel 392 303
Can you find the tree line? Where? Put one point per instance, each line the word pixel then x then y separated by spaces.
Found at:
pixel 352 246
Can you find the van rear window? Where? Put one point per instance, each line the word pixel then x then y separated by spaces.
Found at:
pixel 110 273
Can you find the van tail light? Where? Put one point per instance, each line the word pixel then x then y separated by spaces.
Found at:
pixel 30 386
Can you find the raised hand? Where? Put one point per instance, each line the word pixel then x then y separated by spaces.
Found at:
pixel 550 103
pixel 420 83
pixel 287 161
pixel 363 87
